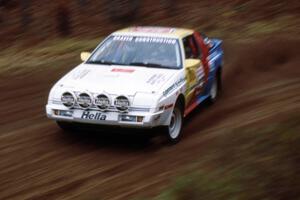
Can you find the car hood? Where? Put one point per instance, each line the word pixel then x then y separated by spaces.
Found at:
pixel 115 79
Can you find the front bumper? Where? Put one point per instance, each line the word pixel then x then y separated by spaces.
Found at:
pixel 149 119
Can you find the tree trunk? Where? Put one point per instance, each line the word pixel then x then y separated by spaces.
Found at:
pixel 123 10
pixel 63 19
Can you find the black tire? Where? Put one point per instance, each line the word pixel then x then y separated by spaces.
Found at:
pixel 173 132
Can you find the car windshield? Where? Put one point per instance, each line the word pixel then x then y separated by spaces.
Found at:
pixel 156 52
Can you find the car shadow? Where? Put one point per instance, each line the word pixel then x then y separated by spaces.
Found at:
pixel 130 139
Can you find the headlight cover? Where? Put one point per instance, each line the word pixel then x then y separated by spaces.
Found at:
pixel 68 99
pixel 84 100
pixel 122 103
pixel 102 102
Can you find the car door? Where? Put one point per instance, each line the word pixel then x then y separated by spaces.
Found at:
pixel 203 53
pixel 194 73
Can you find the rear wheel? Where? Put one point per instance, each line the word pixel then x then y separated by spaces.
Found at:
pixel 215 89
pixel 173 131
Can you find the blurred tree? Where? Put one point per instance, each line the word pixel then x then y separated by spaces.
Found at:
pixel 169 6
pixel 4 5
pixel 7 3
pixel 25 14
pixel 1 11
pixel 82 3
pixel 63 18
pixel 122 10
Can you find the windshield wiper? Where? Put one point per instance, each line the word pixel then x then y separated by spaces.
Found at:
pixel 153 65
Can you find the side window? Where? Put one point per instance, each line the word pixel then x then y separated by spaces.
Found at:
pixel 191 48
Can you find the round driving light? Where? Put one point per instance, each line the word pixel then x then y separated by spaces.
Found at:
pixel 122 103
pixel 102 102
pixel 84 100
pixel 68 99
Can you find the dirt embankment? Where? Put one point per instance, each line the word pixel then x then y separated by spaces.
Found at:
pixel 268 60
pixel 39 161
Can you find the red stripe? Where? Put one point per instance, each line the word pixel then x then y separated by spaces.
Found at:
pixel 189 109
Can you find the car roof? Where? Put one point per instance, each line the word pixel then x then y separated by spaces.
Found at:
pixel 155 31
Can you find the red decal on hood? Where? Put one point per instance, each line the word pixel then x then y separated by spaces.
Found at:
pixel 122 70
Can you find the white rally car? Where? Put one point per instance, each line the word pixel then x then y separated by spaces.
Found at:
pixel 140 77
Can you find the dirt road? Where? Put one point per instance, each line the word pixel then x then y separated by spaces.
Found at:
pixel 39 161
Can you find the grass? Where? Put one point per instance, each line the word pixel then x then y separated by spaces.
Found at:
pixel 256 162
pixel 53 53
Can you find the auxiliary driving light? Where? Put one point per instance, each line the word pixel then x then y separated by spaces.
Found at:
pixel 122 103
pixel 68 99
pixel 102 102
pixel 84 100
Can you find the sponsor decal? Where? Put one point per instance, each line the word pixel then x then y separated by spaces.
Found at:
pixel 102 101
pixel 156 79
pixel 155 40
pixel 145 39
pixel 67 99
pixel 123 38
pixel 198 85
pixel 84 100
pixel 122 70
pixel 122 103
pixel 93 116
pixel 80 74
pixel 173 86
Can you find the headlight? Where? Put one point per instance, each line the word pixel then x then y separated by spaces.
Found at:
pixel 102 102
pixel 68 99
pixel 84 100
pixel 122 103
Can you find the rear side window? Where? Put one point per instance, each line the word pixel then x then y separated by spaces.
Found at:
pixel 191 48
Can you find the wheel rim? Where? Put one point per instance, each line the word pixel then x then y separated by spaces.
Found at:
pixel 175 124
pixel 214 90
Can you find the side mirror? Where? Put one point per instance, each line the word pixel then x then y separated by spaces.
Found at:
pixel 190 62
pixel 85 56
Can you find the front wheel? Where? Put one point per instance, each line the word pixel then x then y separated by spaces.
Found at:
pixel 173 131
